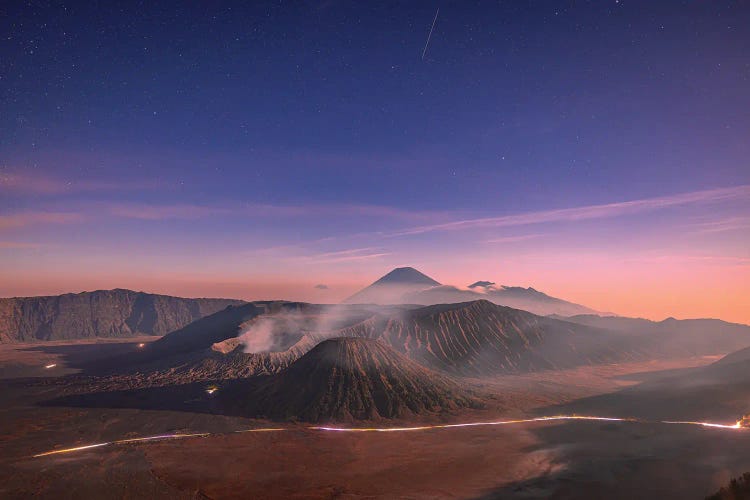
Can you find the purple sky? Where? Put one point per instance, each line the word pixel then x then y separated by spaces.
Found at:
pixel 596 151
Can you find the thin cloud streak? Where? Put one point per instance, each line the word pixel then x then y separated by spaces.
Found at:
pixel 514 239
pixel 146 211
pixel 726 260
pixel 162 212
pixel 37 218
pixel 47 185
pixel 15 245
pixel 720 226
pixel 350 255
pixel 586 212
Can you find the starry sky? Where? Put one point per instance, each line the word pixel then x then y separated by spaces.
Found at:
pixel 597 151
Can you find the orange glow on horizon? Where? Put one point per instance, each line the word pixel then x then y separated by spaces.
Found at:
pixel 652 290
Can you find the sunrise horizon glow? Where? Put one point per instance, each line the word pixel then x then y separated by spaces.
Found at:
pixel 597 153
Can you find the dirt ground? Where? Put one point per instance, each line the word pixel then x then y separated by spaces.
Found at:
pixel 533 460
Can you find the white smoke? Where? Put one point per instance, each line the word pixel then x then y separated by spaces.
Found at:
pixel 280 330
pixel 273 332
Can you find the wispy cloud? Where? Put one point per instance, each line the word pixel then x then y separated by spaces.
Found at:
pixel 154 211
pixel 723 225
pixel 42 184
pixel 18 245
pixel 720 260
pixel 587 212
pixel 162 212
pixel 514 239
pixel 36 218
pixel 350 255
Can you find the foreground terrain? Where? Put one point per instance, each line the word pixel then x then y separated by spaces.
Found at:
pixel 557 459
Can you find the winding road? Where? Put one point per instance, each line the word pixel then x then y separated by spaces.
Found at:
pixel 162 437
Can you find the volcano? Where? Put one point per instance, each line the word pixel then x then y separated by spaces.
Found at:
pixel 345 379
pixel 406 285
pixel 391 288
pixel 472 339
pixel 481 338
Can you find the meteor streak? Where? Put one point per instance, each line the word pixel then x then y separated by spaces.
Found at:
pixel 163 437
pixel 424 51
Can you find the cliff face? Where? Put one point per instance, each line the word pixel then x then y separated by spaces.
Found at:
pixel 103 313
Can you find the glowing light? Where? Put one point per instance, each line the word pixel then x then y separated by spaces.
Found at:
pixel 263 429
pixel 704 424
pixel 141 345
pixel 160 437
pixel 212 389
pixel 468 424
pixel 70 450
pixel 47 367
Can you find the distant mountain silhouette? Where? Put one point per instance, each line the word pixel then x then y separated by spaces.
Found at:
pixel 406 285
pixel 679 337
pixel 392 287
pixel 102 313
pixel 406 275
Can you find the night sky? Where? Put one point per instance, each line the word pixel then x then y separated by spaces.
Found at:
pixel 597 151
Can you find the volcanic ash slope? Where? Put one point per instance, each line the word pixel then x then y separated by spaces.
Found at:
pixel 345 379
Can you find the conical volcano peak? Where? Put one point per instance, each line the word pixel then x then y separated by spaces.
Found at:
pixel 345 379
pixel 406 275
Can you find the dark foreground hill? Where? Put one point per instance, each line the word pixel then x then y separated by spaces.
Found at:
pixel 348 379
pixel 719 392
pixel 103 313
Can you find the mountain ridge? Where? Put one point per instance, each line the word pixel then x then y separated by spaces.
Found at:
pixel 429 291
pixel 101 313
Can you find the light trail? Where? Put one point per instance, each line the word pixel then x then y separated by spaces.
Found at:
pixel 704 424
pixel 469 424
pixel 47 367
pixel 70 450
pixel 160 437
pixel 262 429
pixel 164 437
